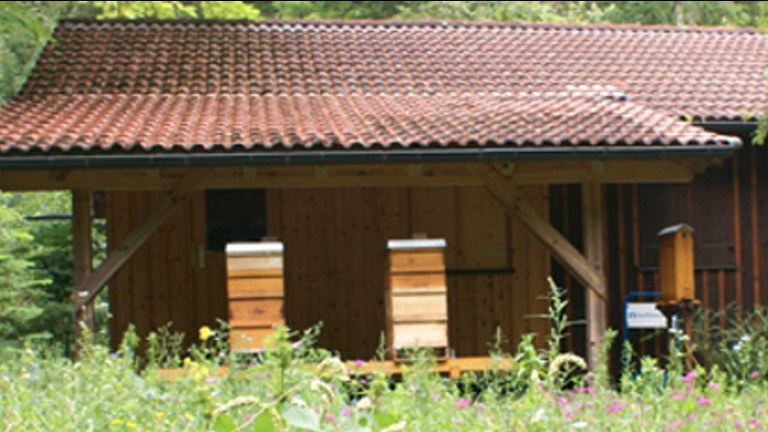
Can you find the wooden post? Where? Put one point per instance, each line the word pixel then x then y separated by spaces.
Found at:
pixel 82 257
pixel 89 288
pixel 592 222
pixel 562 249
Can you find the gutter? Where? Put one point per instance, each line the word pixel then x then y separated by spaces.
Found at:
pixel 333 157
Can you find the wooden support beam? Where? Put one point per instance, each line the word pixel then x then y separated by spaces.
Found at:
pixel 593 225
pixel 82 210
pixel 371 175
pixel 570 257
pixel 89 288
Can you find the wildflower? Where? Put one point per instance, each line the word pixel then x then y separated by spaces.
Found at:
pixel 359 363
pixel 613 408
pixel 457 421
pixel 333 368
pixel 188 416
pixel 702 401
pixel 754 374
pixel 345 411
pixel 364 404
pixel 330 418
pixel 754 423
pixel 130 425
pixel 205 333
pixel 461 403
pixel 538 416
pixel 713 386
pixel 397 427
pixel 738 425
pixel 580 425
pixel 689 377
pixel 159 414
pixel 116 422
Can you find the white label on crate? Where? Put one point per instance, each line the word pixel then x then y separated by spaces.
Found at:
pixel 645 316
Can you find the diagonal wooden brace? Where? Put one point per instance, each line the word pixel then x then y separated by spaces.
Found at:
pixel 91 286
pixel 562 249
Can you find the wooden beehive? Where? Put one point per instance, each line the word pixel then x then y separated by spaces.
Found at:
pixel 254 292
pixel 416 300
pixel 676 270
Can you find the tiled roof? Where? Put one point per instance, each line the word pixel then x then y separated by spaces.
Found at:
pixel 221 122
pixel 230 85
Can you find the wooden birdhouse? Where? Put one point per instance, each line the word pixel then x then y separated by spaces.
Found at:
pixel 676 268
pixel 416 298
pixel 254 292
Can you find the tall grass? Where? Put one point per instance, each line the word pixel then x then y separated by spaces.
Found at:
pixel 292 386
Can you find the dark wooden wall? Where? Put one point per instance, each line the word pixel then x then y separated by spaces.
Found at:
pixel 334 264
pixel 170 279
pixel 335 257
pixel 727 205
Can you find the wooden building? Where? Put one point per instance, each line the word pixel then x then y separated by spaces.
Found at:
pixel 520 145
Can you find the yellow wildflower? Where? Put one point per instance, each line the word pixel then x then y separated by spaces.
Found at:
pixel 130 425
pixel 116 422
pixel 205 333
pixel 159 414
pixel 188 416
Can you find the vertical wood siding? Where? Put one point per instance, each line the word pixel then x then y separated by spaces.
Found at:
pixel 165 281
pixel 335 262
pixel 727 205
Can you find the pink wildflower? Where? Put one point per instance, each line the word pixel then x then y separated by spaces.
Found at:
pixel 714 386
pixel 754 374
pixel 689 377
pixel 702 401
pixel 613 408
pixel 738 425
pixel 359 363
pixel 754 423
pixel 462 403
pixel 345 411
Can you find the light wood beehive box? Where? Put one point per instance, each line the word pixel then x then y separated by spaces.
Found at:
pixel 676 267
pixel 416 300
pixel 255 292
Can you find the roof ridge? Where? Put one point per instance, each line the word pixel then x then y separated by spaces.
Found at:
pixel 431 23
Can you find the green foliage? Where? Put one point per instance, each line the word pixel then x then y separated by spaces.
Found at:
pixel 144 9
pixel 504 11
pixel 738 347
pixel 336 9
pixel 291 386
pixel 25 26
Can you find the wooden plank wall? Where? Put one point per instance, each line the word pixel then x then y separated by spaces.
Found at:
pixel 335 261
pixel 728 208
pixel 335 264
pixel 167 281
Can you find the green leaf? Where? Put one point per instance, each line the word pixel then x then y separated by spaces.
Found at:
pixel 263 423
pixel 224 423
pixel 384 419
pixel 302 418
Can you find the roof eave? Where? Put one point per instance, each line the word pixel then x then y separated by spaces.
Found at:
pixel 366 156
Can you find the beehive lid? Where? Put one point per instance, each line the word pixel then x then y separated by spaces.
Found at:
pixel 674 229
pixel 254 249
pixel 416 244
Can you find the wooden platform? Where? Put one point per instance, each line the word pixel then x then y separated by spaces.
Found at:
pixel 451 367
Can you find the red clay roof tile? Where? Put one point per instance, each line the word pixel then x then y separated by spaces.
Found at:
pixel 228 85
pixel 215 122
